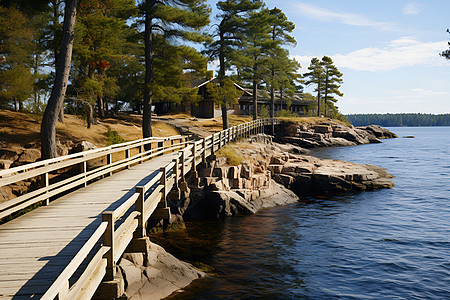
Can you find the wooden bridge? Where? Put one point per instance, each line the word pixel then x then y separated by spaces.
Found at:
pixel 94 204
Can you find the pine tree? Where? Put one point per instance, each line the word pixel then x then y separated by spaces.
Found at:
pixel 446 53
pixel 251 59
pixel 48 125
pixel 316 76
pixel 332 83
pixel 227 39
pixel 176 20
pixel 282 71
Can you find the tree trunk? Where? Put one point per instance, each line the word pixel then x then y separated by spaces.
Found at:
pixel 61 114
pixel 255 100
pixel 326 94
pixel 48 125
pixel 224 116
pixel 15 103
pixel 318 99
pixel 89 114
pixel 222 77
pixel 272 108
pixel 147 113
pixel 101 111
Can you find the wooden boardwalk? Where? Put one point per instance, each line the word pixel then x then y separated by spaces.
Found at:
pixel 36 247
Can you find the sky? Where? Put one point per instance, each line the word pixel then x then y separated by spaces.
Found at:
pixel 387 50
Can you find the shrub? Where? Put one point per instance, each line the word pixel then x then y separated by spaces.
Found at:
pixel 113 137
pixel 233 158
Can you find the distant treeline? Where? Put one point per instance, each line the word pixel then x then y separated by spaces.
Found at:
pixel 399 120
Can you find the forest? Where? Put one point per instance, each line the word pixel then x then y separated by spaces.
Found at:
pixel 95 57
pixel 400 120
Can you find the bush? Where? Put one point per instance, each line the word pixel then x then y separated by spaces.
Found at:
pixel 113 137
pixel 233 158
pixel 264 112
pixel 284 113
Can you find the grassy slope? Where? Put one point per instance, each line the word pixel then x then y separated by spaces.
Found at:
pixel 19 129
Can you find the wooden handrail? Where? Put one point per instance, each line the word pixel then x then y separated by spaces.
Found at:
pixel 116 240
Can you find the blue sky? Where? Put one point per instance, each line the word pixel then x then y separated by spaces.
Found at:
pixel 388 50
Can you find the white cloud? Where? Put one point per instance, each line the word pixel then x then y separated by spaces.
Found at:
pixel 418 93
pixel 411 8
pixel 323 14
pixel 397 53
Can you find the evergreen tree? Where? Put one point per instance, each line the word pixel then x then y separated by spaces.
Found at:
pixel 282 71
pixel 55 102
pixel 251 58
pixel 224 94
pixel 446 53
pixel 316 76
pixel 175 20
pixel 100 37
pixel 332 83
pixel 227 39
pixel 16 39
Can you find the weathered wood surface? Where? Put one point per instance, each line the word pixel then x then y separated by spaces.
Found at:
pixel 36 247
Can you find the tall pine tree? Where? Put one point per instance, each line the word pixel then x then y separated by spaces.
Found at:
pixel 227 39
pixel 174 20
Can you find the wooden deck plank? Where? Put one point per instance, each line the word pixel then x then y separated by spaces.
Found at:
pixel 35 247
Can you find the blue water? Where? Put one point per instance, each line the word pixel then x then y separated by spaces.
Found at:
pixel 384 244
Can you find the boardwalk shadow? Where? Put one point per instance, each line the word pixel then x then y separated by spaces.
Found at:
pixel 42 280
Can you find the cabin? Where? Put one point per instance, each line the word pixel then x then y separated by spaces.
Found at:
pixel 206 108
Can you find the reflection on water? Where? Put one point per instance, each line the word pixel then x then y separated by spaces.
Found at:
pixel 380 244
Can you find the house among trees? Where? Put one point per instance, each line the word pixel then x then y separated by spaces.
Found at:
pixel 206 108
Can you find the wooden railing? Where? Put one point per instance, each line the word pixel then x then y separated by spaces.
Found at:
pixel 88 166
pixel 148 200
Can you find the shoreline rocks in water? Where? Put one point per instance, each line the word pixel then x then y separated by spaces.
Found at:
pixel 330 133
pixel 271 175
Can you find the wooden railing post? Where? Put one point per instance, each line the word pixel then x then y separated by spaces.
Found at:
pixel 45 183
pixel 194 158
pixel 182 165
pixel 109 161
pixel 163 182
pixel 175 172
pixel 108 240
pixel 127 155
pixel 220 140
pixel 140 231
pixel 84 170
pixel 229 135
pixel 204 150
pixel 141 151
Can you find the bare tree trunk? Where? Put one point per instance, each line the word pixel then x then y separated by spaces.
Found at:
pixel 255 100
pixel 318 99
pixel 225 123
pixel 61 114
pixel 272 108
pixel 326 94
pixel 48 125
pixel 89 114
pixel 101 111
pixel 15 103
pixel 147 113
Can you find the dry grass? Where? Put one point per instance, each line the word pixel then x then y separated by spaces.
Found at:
pixel 18 129
pixel 312 120
pixel 233 157
pixel 215 125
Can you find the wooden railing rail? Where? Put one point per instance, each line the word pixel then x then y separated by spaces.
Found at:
pixel 53 187
pixel 149 201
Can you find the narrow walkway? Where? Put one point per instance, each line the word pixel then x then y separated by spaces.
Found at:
pixel 36 247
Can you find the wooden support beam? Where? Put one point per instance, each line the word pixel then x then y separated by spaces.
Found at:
pixel 45 183
pixel 140 231
pixel 108 240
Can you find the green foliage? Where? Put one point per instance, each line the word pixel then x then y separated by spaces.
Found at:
pixel 113 137
pixel 399 120
pixel 225 94
pixel 446 53
pixel 327 79
pixel 264 112
pixel 285 113
pixel 233 158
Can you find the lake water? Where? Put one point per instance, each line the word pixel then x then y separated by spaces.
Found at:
pixel 384 244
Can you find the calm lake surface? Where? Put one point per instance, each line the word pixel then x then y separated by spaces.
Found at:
pixel 384 244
